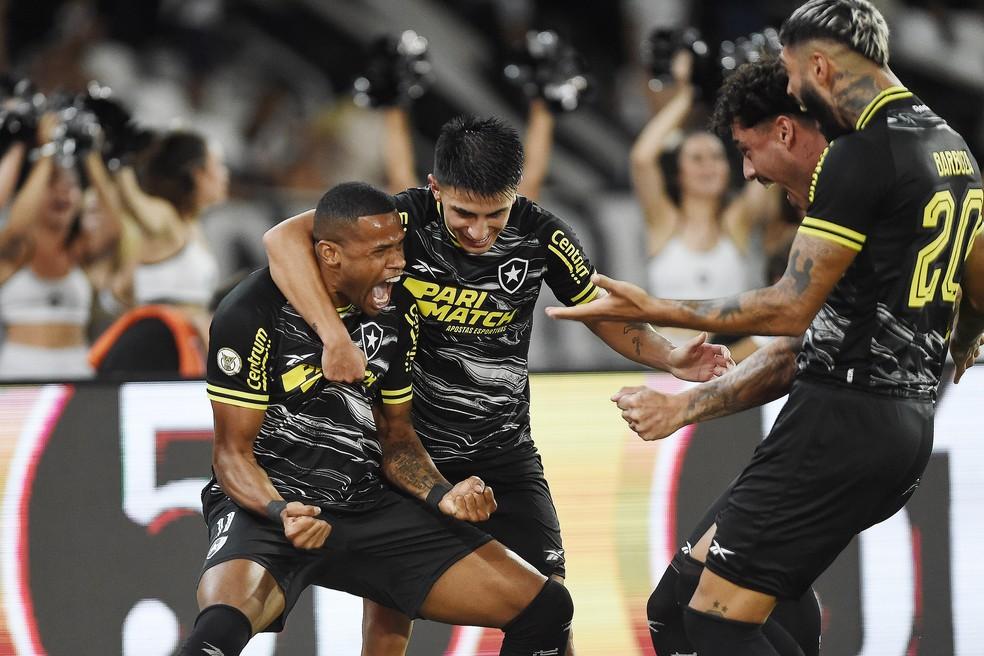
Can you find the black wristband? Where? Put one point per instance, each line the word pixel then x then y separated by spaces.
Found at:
pixel 273 510
pixel 436 494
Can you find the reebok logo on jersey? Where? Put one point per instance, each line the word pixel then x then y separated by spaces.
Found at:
pixel 686 548
pixel 423 267
pixel 512 274
pixel 211 650
pixel 554 555
pixel 720 551
pixel 655 626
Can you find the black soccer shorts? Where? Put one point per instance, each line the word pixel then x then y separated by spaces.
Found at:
pixel 525 520
pixel 392 553
pixel 836 462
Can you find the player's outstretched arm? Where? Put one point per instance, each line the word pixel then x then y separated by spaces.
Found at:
pixel 295 271
pixel 965 344
pixel 407 466
pixel 786 308
pixel 764 376
pixel 398 150
pixel 246 483
pixel 695 360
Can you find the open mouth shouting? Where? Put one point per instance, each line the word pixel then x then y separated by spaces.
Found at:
pixel 381 293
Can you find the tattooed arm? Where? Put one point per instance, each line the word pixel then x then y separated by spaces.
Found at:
pixel 695 360
pixel 408 467
pixel 764 376
pixel 786 308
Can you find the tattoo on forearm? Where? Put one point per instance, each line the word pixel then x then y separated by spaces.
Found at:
pixel 406 468
pixel 636 326
pixel 764 376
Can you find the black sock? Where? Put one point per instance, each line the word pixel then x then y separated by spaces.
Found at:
pixel 665 616
pixel 713 635
pixel 543 627
pixel 801 619
pixel 220 630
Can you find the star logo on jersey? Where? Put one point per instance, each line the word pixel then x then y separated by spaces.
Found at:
pixel 512 274
pixel 372 338
pixel 720 551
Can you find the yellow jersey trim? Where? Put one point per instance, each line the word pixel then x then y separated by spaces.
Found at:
pixel 241 404
pixel 886 96
pixel 562 257
pixel 590 297
pixel 398 401
pixel 398 392
pixel 853 245
pixel 835 228
pixel 816 173
pixel 586 290
pixel 236 393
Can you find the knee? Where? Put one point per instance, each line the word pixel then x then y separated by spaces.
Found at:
pixel 663 602
pixel 551 610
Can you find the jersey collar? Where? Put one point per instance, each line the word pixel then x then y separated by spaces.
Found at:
pixel 886 96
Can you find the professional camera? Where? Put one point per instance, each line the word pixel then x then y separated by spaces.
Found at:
pixel 663 43
pixel 550 69
pixel 398 72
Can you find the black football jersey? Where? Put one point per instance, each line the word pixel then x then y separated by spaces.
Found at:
pixel 904 191
pixel 318 440
pixel 470 378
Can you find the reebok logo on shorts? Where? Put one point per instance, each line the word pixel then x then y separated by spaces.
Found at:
pixel 720 551
pixel 554 555
pixel 211 650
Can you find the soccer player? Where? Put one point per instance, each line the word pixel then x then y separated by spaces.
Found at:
pixel 780 144
pixel 298 495
pixel 873 278
pixel 477 256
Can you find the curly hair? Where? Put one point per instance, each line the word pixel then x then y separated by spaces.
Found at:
pixel 752 94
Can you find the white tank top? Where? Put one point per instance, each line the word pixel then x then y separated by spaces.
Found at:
pixel 189 276
pixel 26 298
pixel 680 273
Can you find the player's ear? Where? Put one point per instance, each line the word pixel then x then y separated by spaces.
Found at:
pixel 784 129
pixel 328 252
pixel 434 187
pixel 820 68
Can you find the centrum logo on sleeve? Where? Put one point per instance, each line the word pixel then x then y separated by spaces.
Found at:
pixel 569 254
pixel 258 355
pixel 462 309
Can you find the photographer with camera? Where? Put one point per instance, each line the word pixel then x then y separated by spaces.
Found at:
pixel 45 292
pixel 700 241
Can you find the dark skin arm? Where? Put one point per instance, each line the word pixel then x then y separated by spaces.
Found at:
pixel 294 269
pixel 246 483
pixel 764 376
pixel 965 344
pixel 786 308
pixel 408 467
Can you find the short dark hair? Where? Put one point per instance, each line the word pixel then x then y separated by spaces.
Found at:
pixel 480 156
pixel 342 205
pixel 167 168
pixel 856 24
pixel 755 92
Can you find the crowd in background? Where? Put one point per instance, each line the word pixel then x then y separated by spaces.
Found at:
pixel 214 119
